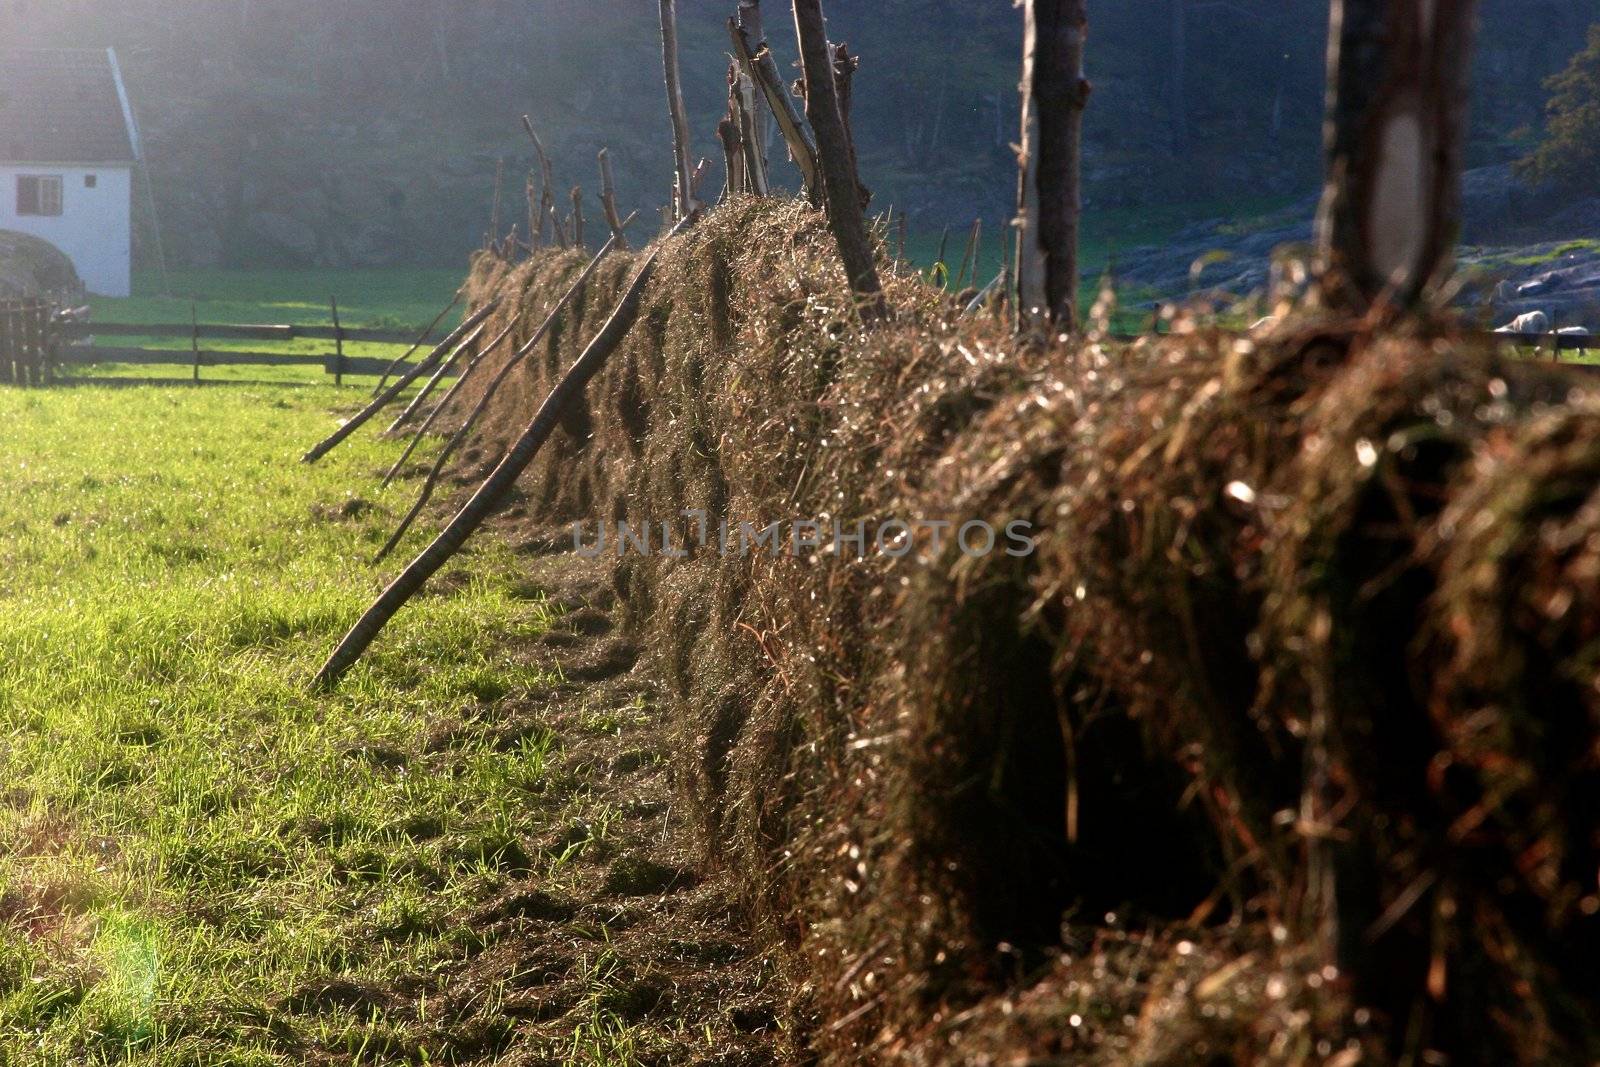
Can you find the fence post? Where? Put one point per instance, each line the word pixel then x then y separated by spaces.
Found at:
pixel 5 341
pixel 32 342
pixel 52 341
pixel 338 345
pixel 194 339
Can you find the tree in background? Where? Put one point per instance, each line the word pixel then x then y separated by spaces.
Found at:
pixel 1569 154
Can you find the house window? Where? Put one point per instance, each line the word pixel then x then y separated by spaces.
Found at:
pixel 91 180
pixel 39 195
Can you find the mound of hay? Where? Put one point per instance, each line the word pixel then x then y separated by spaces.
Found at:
pixel 1279 747
pixel 31 267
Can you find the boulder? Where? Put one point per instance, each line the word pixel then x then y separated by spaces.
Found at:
pixel 33 267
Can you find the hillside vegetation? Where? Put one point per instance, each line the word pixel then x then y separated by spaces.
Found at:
pixel 367 132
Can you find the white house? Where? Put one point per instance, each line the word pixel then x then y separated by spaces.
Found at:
pixel 68 146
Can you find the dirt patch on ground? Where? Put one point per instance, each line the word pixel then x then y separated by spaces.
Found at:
pixel 606 941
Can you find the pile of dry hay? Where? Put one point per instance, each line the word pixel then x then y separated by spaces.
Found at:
pixel 1280 748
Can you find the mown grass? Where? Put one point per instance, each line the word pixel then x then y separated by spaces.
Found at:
pixel 188 835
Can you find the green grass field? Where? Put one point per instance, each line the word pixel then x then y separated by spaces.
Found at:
pixel 188 836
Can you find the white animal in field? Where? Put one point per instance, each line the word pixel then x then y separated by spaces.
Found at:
pixel 1573 331
pixel 1529 322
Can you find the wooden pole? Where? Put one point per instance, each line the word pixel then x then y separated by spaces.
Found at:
pixel 844 75
pixel 684 201
pixel 489 392
pixel 194 339
pixel 608 200
pixel 1060 92
pixel 1394 137
pixel 535 229
pixel 732 155
pixel 749 20
pixel 577 216
pixel 762 69
pixel 755 157
pixel 444 401
pixel 547 196
pixel 328 444
pixel 499 186
pixel 833 159
pixel 504 476
pixel 1027 263
pixel 338 344
pixel 969 258
pixel 467 343
pixel 421 340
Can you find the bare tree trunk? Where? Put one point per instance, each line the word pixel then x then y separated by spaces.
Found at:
pixel 839 181
pixel 608 200
pixel 1061 93
pixel 494 488
pixel 1028 259
pixel 680 120
pixel 1393 137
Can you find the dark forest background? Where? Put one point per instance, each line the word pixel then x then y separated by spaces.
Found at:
pixel 367 132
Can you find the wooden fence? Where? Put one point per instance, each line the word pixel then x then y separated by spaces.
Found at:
pixel 27 341
pixel 38 337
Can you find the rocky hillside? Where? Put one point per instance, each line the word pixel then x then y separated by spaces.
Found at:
pixel 1519 256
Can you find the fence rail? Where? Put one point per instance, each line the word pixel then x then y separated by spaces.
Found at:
pixel 229 332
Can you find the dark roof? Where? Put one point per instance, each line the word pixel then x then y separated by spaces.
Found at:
pixel 62 105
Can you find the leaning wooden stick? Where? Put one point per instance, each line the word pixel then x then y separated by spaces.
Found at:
pixel 424 366
pixel 500 481
pixel 489 392
pixel 420 341
pixel 444 402
pixel 758 63
pixel 547 197
pixel 969 258
pixel 433 381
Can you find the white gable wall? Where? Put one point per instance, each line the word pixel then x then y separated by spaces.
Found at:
pixel 94 228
